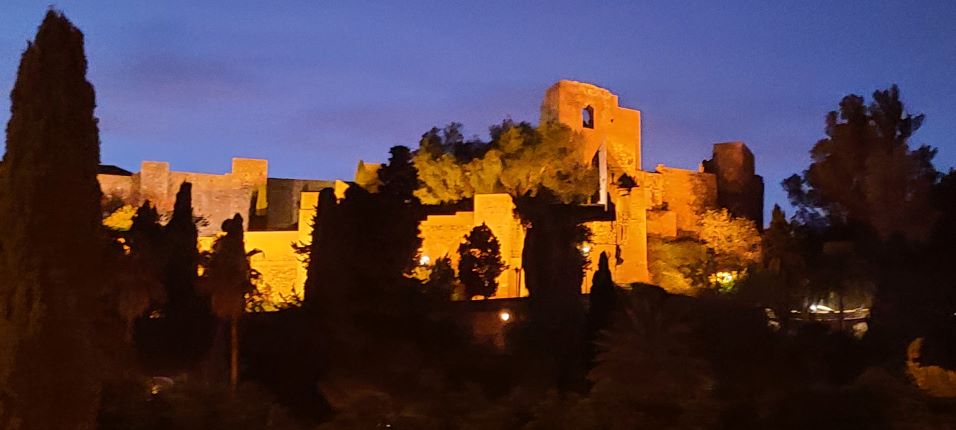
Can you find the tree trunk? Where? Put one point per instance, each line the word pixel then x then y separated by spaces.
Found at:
pixel 234 353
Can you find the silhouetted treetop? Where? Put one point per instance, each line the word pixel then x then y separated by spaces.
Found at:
pixel 865 172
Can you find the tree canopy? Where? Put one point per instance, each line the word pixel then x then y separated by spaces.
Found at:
pixel 518 160
pixel 865 172
pixel 480 262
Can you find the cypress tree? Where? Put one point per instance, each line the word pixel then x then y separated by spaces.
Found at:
pixel 182 254
pixel 553 269
pixel 51 238
pixel 180 340
pixel 322 257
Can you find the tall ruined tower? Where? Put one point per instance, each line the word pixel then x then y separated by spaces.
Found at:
pixel 593 111
pixel 612 141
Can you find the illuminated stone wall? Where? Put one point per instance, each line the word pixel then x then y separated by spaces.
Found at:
pixel 666 202
pixel 687 193
pixel 215 197
pixel 442 234
pixel 281 269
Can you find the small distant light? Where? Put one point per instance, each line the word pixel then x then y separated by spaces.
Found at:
pixel 504 316
pixel 424 260
pixel 586 249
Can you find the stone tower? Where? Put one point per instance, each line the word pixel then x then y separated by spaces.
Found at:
pixel 612 136
pixel 739 188
pixel 594 112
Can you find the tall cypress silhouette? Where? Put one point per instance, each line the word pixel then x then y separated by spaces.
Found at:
pixel 50 238
pixel 181 339
pixel 183 255
pixel 554 269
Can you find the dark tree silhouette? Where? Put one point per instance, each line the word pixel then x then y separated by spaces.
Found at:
pixel 227 279
pixel 320 284
pixel 363 246
pixel 780 281
pixel 865 173
pixel 183 255
pixel 480 262
pixel 138 277
pixel 398 177
pixel 603 303
pixel 441 280
pixel 180 339
pixel 51 238
pixel 554 268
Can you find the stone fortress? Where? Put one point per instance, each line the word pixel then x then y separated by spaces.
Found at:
pixel 633 203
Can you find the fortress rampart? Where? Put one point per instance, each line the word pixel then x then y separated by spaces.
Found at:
pixel 666 202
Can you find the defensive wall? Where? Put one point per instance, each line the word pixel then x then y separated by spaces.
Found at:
pixel 666 202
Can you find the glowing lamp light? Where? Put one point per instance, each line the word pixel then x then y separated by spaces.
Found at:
pixel 504 316
pixel 424 260
pixel 586 249
pixel 724 278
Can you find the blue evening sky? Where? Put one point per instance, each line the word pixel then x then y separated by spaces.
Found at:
pixel 314 86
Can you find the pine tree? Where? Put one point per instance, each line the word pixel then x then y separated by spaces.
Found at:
pixel 480 262
pixel 227 279
pixel 51 238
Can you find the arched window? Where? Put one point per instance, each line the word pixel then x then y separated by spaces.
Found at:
pixel 587 115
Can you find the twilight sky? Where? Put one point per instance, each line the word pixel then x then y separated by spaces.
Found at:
pixel 314 86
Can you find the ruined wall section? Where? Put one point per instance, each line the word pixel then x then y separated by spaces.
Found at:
pixel 497 211
pixel 116 186
pixel 687 194
pixel 285 200
pixel 215 197
pixel 442 234
pixel 616 127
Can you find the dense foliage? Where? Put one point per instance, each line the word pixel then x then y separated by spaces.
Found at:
pixel 518 160
pixel 717 255
pixel 865 171
pixel 480 263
